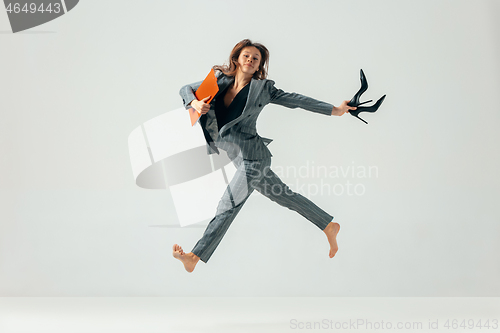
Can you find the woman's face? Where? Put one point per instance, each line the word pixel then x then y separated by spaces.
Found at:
pixel 249 60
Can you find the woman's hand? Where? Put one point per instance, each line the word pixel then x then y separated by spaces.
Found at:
pixel 201 106
pixel 342 108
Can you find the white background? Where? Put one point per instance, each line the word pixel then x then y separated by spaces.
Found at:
pixel 73 222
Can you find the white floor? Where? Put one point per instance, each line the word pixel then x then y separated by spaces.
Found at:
pixel 184 314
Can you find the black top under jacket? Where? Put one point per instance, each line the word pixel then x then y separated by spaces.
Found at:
pixel 226 114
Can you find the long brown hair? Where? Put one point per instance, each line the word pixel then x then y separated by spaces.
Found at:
pixel 230 70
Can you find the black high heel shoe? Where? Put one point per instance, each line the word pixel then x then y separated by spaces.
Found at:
pixel 355 100
pixel 372 108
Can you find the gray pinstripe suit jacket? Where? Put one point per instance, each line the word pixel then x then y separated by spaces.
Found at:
pixel 240 134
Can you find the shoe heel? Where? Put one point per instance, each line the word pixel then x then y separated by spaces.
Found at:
pixel 361 119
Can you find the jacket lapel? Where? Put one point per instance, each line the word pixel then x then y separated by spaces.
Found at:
pixel 253 93
pixel 223 82
pixel 209 121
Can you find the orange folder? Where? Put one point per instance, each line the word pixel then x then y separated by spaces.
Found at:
pixel 207 88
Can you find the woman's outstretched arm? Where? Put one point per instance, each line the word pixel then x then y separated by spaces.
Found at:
pixel 294 100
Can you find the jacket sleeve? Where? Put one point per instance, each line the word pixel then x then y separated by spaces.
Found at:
pixel 187 91
pixel 294 100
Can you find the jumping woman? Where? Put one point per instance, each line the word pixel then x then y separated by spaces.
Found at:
pixel 229 123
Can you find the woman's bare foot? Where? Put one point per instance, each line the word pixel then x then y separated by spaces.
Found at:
pixel 188 259
pixel 331 231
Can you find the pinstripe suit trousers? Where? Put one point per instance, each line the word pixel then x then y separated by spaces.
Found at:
pixel 250 175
